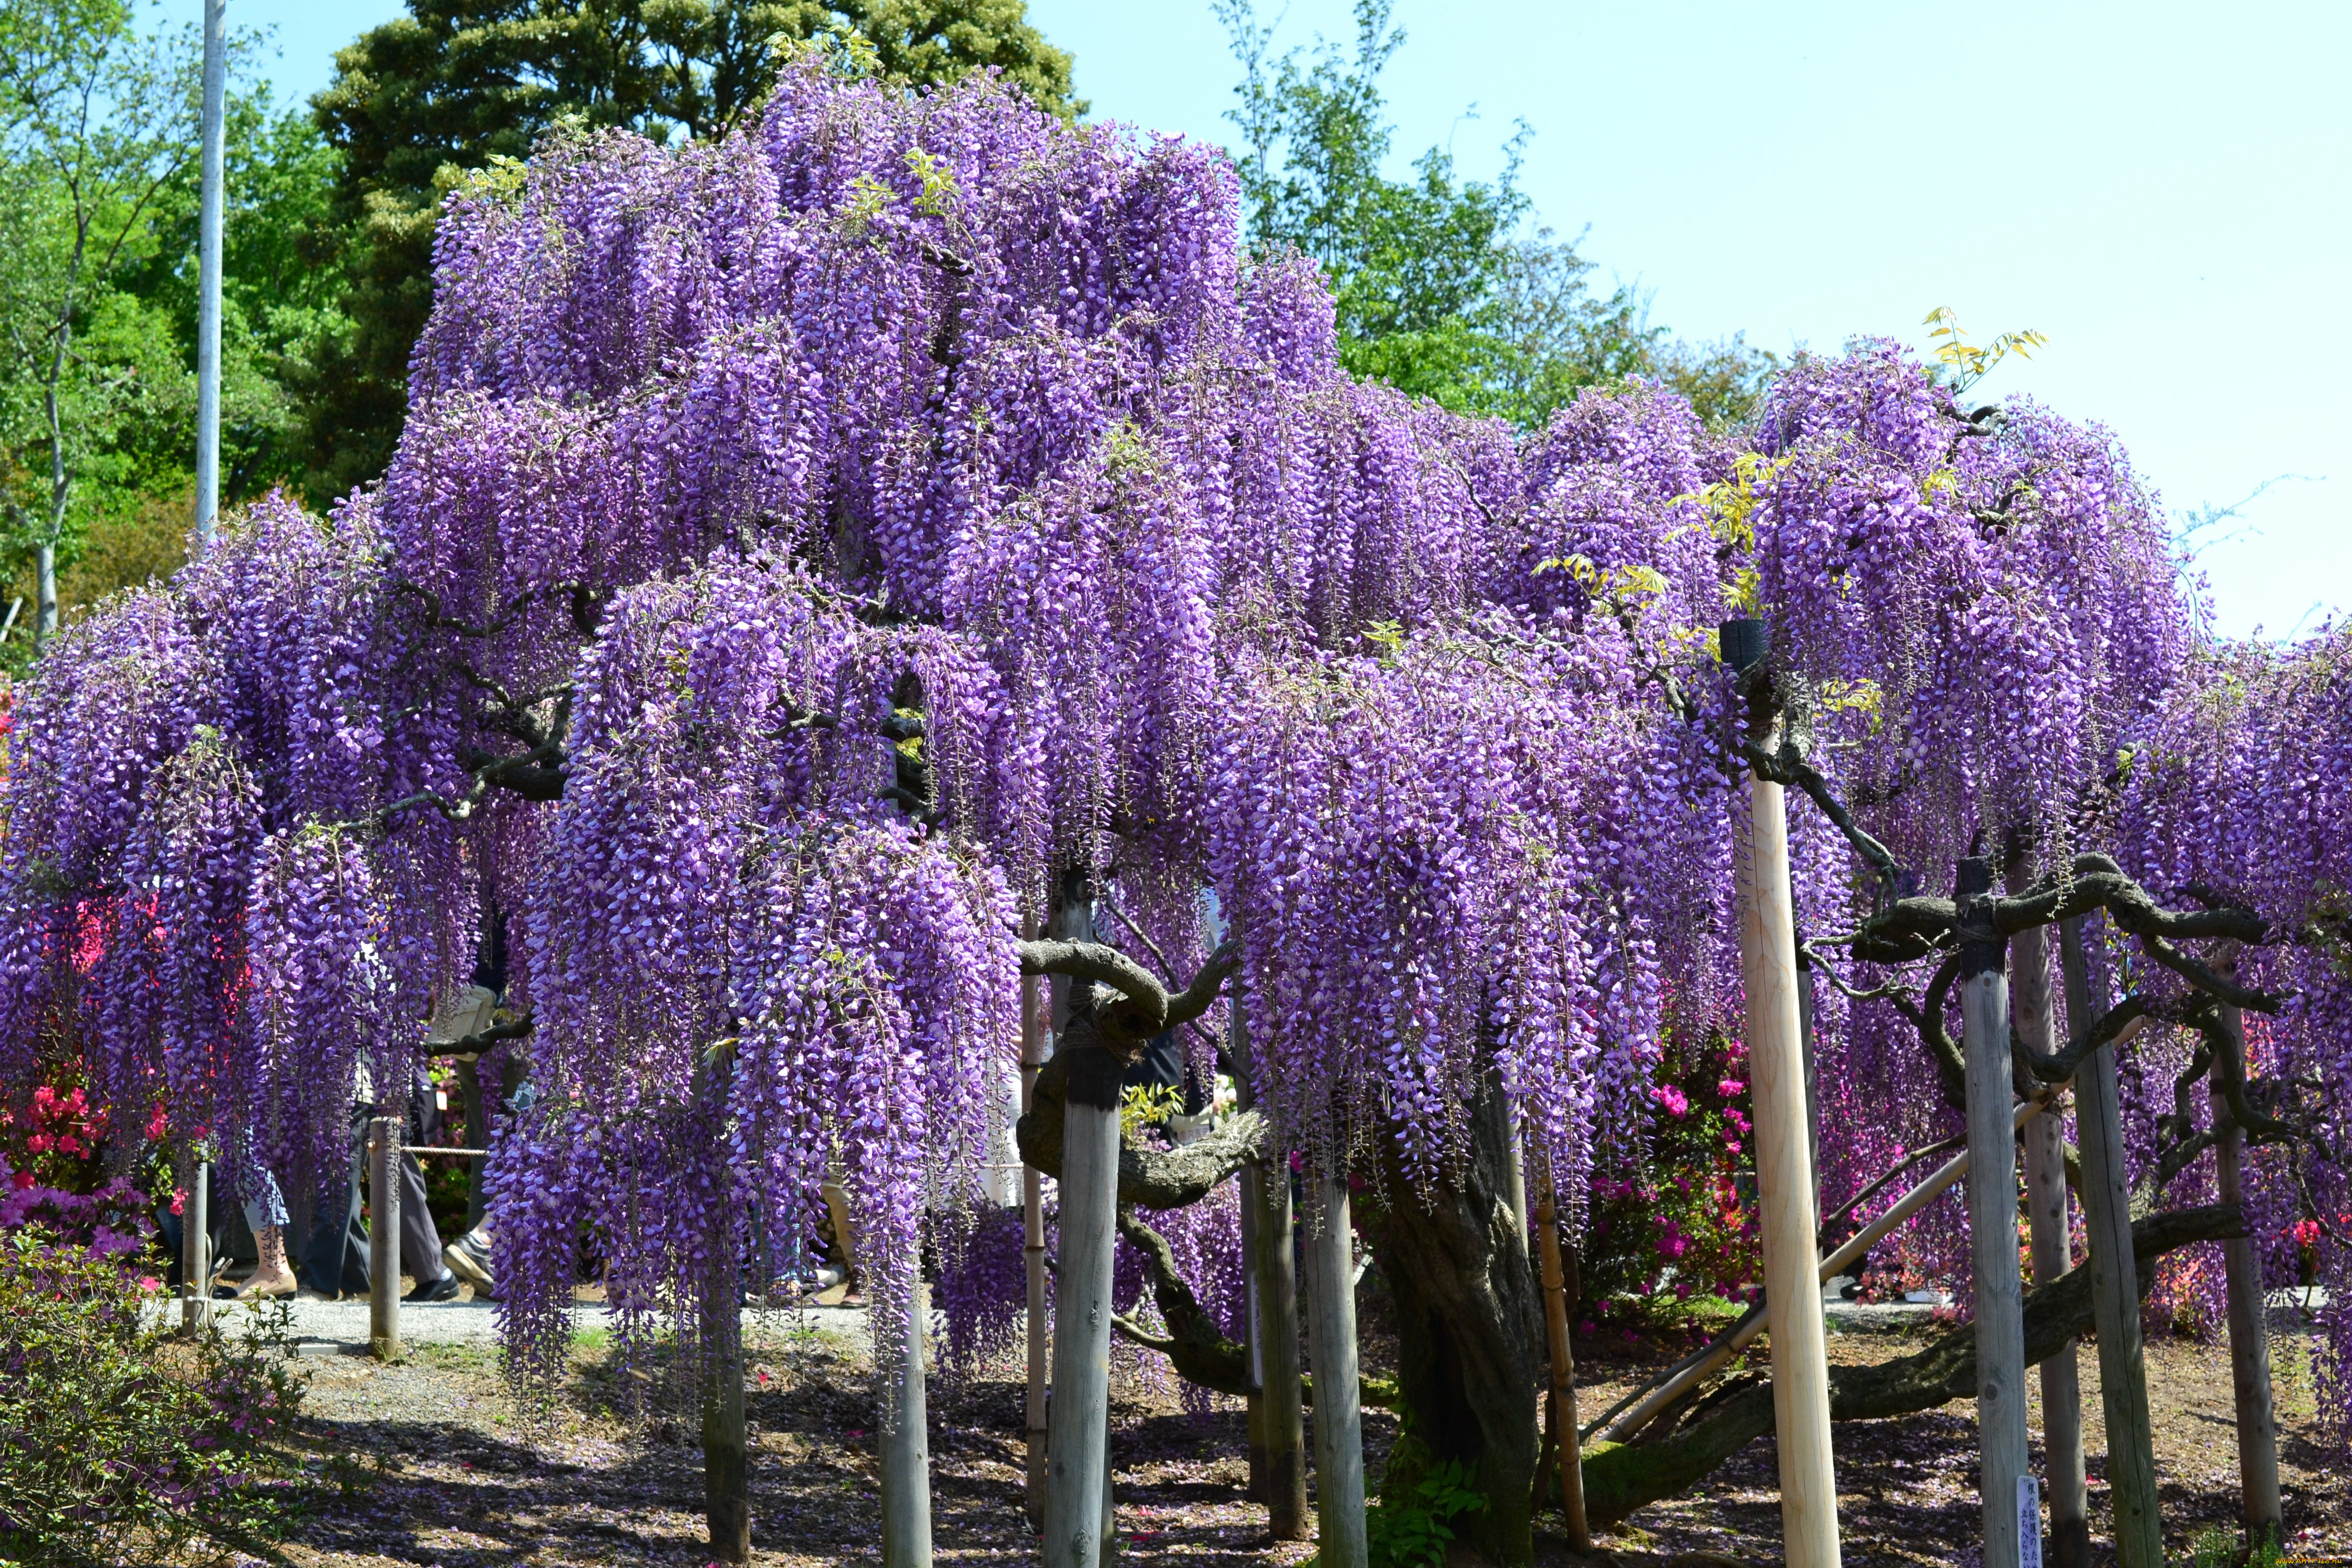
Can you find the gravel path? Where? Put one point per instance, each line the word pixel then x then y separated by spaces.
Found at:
pixel 429 1462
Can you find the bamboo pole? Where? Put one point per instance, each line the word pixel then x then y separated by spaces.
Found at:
pixel 2250 1350
pixel 1032 1247
pixel 2053 1255
pixel 906 1445
pixel 2115 1276
pixel 1339 1417
pixel 1078 1467
pixel 1563 1375
pixel 1784 1176
pixel 384 1236
pixel 2013 1504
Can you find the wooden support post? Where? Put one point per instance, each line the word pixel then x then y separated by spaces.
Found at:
pixel 726 1441
pixel 1079 1469
pixel 196 1247
pixel 1563 1375
pixel 1784 1176
pixel 2053 1233
pixel 1033 1246
pixel 725 1476
pixel 906 1445
pixel 1274 1279
pixel 1252 1196
pixel 2011 1499
pixel 1339 1417
pixel 2250 1349
pixel 384 1236
pixel 2114 1275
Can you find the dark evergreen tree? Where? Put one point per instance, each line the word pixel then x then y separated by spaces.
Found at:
pixel 456 83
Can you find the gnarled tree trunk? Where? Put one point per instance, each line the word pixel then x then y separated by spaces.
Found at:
pixel 1620 1478
pixel 1470 1335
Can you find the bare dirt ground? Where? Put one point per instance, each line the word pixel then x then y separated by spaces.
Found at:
pixel 438 1466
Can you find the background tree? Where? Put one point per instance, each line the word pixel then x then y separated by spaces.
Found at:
pixel 110 279
pixel 458 83
pixel 97 123
pixel 1446 288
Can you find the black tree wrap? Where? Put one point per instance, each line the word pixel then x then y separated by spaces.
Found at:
pixel 1984 950
pixel 1620 1478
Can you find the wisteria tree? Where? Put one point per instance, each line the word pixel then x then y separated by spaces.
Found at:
pixel 815 556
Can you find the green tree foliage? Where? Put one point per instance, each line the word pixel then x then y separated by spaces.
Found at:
pixel 1446 288
pixel 455 83
pixel 98 296
pixel 278 304
pixel 93 129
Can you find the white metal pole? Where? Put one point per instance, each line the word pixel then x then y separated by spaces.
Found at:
pixel 1078 1467
pixel 208 274
pixel 2012 1502
pixel 1033 1247
pixel 196 1249
pixel 383 1234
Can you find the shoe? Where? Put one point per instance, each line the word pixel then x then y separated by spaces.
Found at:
pixel 441 1289
pixel 469 1255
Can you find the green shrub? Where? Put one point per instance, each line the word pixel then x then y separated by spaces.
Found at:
pixel 119 1444
pixel 1411 1523
pixel 2218 1547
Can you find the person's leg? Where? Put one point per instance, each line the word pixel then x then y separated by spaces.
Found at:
pixel 266 1216
pixel 335 1253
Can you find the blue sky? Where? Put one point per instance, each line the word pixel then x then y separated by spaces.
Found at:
pixel 2164 190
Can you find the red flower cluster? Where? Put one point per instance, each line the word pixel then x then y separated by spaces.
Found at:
pixel 65 1125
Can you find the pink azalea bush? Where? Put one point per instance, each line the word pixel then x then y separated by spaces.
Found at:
pixel 117 1443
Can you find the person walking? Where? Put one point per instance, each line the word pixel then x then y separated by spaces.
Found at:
pixel 334 1259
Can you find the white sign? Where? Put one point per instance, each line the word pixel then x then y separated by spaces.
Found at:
pixel 2029 1523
